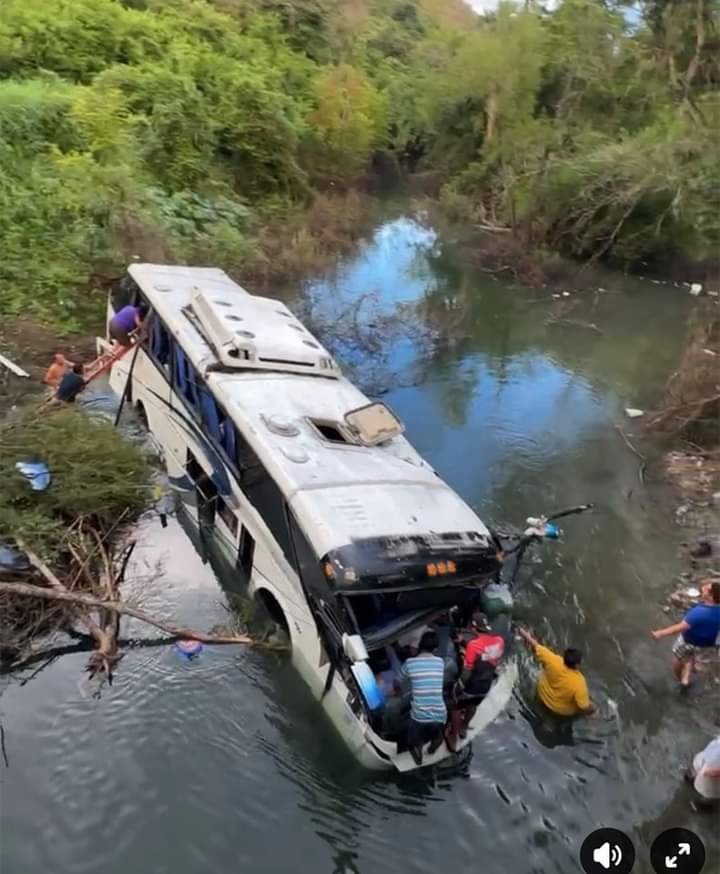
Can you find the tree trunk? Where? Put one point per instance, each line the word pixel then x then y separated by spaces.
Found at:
pixel 491 111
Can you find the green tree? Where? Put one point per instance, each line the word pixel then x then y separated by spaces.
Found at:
pixel 346 124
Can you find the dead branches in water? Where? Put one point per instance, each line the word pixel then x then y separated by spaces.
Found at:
pixel 574 323
pixel 631 446
pixel 692 399
pixel 67 544
pixel 123 608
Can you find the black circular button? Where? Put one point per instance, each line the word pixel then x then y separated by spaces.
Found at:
pixel 677 851
pixel 607 849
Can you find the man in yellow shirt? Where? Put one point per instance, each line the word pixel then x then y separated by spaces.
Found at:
pixel 561 687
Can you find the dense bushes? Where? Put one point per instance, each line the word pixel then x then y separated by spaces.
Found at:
pixel 165 128
pixel 588 130
pixel 197 130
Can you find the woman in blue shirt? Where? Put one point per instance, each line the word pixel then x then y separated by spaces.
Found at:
pixel 699 629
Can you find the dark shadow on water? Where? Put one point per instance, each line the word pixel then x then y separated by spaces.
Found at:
pixel 550 730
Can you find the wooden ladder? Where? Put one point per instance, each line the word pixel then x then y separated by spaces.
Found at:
pixel 104 361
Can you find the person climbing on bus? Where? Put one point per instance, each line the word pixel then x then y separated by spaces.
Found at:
pixel 59 366
pixel 71 385
pixel 562 687
pixel 126 322
pixel 699 630
pixel 481 656
pixel 428 713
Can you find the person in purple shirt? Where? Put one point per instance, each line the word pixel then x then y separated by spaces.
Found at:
pixel 699 629
pixel 124 322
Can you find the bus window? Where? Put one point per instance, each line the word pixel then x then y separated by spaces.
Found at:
pixel 246 553
pixel 159 341
pixel 227 515
pixel 185 378
pixel 124 291
pixel 228 439
pixel 209 413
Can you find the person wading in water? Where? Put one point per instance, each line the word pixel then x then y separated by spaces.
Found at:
pixel 562 687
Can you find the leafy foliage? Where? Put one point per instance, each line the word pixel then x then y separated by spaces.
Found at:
pixel 177 129
pixel 96 473
pixel 582 129
pixel 188 129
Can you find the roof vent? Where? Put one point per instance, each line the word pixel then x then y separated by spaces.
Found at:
pixel 283 427
pixel 270 337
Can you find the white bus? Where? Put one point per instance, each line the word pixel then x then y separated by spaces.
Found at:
pixel 333 521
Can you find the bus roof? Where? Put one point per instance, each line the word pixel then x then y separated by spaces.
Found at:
pixel 339 491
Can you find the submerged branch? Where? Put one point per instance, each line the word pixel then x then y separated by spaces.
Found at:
pixel 123 608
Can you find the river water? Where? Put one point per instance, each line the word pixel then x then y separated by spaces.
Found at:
pixel 226 764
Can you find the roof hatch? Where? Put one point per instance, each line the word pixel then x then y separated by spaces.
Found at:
pixel 364 426
pixel 249 332
pixel 374 423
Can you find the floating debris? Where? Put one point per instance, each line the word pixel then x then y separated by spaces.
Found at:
pixel 36 472
pixel 189 649
pixel 633 413
pixel 14 368
pixel 13 561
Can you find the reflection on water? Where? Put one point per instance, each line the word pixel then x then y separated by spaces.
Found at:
pixel 223 762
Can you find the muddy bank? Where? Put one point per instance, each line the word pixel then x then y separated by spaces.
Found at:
pixel 31 346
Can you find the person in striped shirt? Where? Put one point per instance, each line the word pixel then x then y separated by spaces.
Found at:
pixel 428 713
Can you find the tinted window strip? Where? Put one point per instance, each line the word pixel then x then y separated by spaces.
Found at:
pixel 255 470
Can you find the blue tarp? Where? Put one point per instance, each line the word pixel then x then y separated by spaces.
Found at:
pixel 36 472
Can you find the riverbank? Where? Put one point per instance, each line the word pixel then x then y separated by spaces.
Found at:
pixel 508 254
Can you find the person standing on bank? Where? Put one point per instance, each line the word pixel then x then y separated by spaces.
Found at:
pixel 699 630
pixel 59 366
pixel 70 385
pixel 124 322
pixel 562 687
pixel 428 713
pixel 704 774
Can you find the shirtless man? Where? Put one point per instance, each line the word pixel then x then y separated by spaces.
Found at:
pixel 58 368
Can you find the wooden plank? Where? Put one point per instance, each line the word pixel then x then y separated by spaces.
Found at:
pixel 18 371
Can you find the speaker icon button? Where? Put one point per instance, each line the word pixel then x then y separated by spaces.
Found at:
pixel 607 850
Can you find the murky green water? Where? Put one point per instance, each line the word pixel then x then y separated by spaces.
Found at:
pixel 225 764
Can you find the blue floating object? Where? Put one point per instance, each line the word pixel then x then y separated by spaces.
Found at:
pixel 189 649
pixel 371 692
pixel 552 531
pixel 36 472
pixel 13 561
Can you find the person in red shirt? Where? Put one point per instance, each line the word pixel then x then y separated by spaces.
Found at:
pixel 481 658
pixel 486 645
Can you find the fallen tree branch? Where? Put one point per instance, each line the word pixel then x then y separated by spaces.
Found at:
pixel 635 451
pixel 93 628
pixel 675 409
pixel 629 444
pixel 175 631
pixel 574 323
